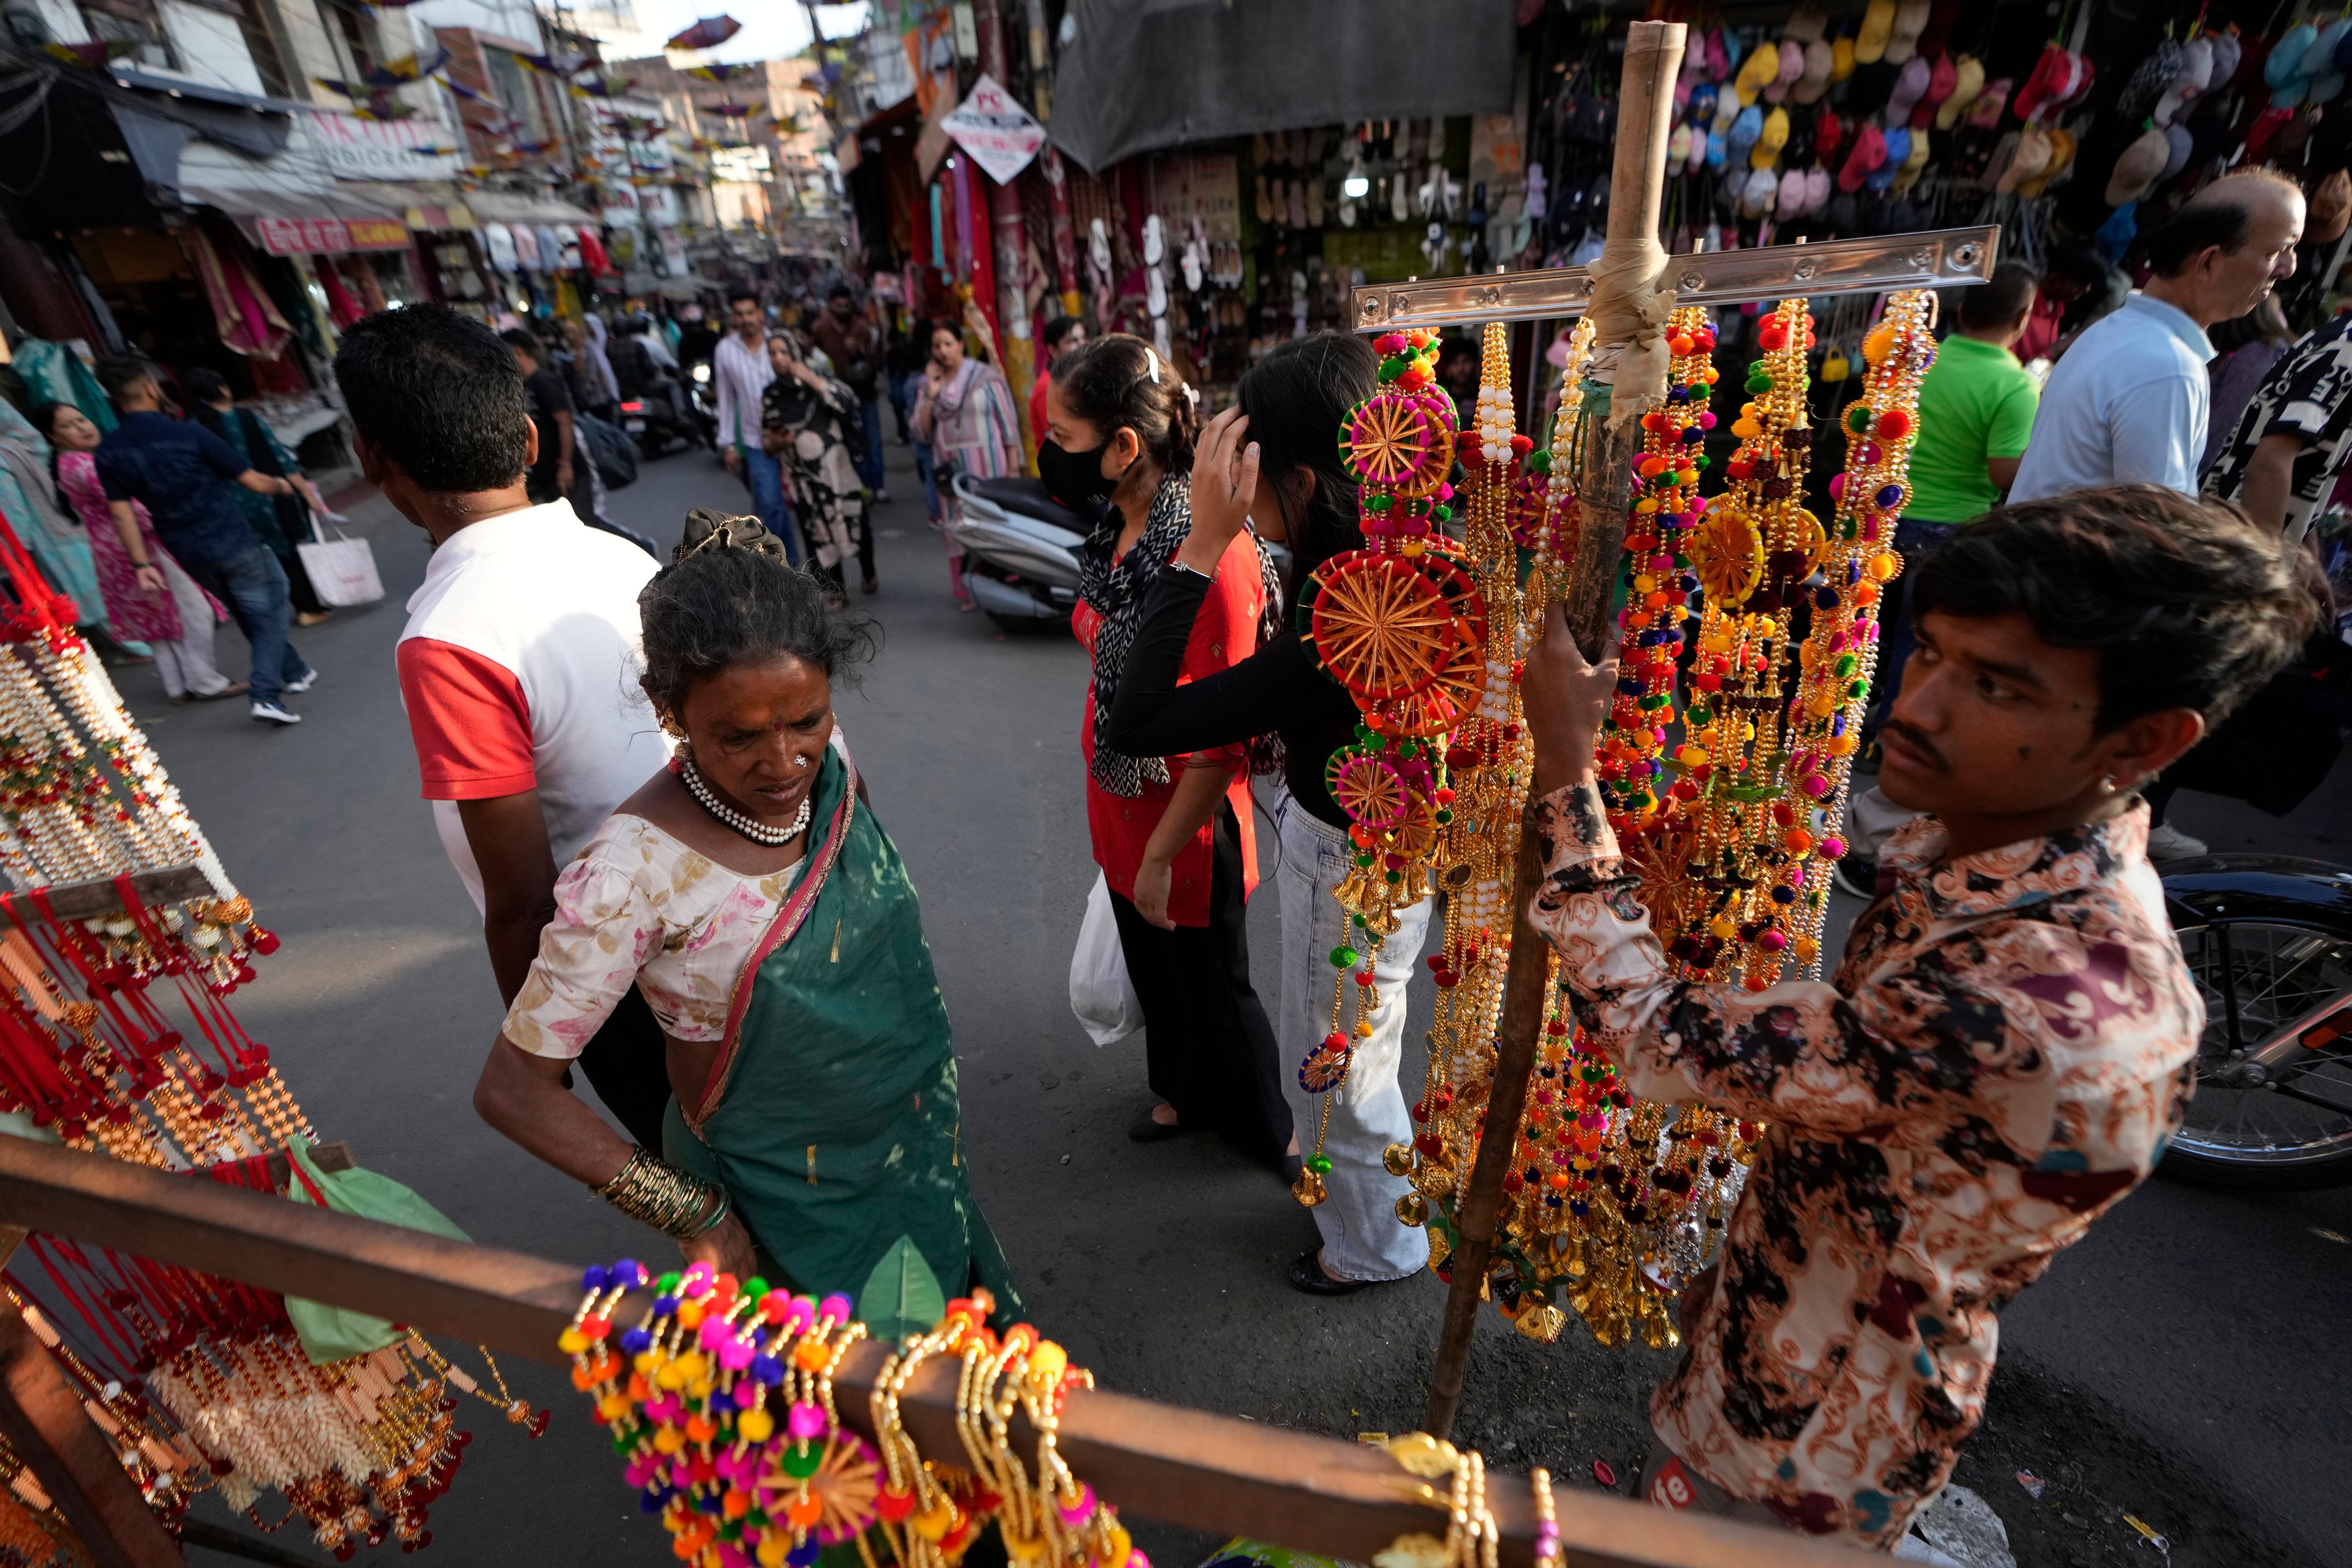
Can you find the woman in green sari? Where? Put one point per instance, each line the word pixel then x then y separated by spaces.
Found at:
pixel 751 895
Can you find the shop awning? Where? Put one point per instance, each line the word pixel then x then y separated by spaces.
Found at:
pixel 517 207
pixel 297 222
pixel 1147 74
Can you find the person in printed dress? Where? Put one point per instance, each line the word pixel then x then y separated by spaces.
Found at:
pixel 806 423
pixel 2010 1039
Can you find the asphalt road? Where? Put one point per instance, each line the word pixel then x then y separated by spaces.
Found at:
pixel 2183 1365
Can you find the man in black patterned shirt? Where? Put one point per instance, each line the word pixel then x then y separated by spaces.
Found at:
pixel 2289 445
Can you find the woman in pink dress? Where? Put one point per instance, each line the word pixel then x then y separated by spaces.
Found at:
pixel 148 596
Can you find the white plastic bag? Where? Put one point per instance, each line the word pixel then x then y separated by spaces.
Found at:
pixel 1101 995
pixel 341 569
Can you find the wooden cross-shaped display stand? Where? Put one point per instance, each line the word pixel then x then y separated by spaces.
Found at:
pixel 1938 258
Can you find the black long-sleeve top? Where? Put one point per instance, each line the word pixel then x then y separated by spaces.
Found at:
pixel 1276 691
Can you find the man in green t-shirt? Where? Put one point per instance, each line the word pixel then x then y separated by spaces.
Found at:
pixel 1976 412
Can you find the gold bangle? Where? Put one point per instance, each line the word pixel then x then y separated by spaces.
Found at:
pixel 656 1193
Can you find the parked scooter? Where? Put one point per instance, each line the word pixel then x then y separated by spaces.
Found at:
pixel 2269 940
pixel 1021 550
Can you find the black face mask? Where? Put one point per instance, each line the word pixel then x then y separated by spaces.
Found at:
pixel 1074 479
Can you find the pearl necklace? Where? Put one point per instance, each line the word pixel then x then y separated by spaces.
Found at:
pixel 751 827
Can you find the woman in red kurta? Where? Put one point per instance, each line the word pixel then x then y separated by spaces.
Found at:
pixel 1172 834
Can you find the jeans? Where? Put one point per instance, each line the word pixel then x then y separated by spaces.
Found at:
pixel 1363 1237
pixel 1914 540
pixel 253 586
pixel 870 471
pixel 765 477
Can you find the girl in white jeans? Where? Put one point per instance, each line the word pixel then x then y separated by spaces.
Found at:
pixel 1272 463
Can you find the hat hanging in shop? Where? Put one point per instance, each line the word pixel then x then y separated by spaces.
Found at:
pixel 2139 168
pixel 1829 132
pixel 2052 80
pixel 1768 142
pixel 2283 70
pixel 1679 147
pixel 1808 24
pixel 2196 64
pixel 2154 76
pixel 1968 80
pixel 1718 55
pixel 1984 109
pixel 1760 68
pixel 1910 86
pixel 1756 196
pixel 2319 60
pixel 1790 202
pixel 1717 150
pixel 1702 103
pixel 1869 151
pixel 2032 156
pixel 1734 49
pixel 2061 158
pixel 1877 25
pixel 1910 21
pixel 1820 60
pixel 1745 133
pixel 1997 166
pixel 1895 146
pixel 1791 55
pixel 2228 53
pixel 1915 162
pixel 1842 60
pixel 2115 236
pixel 2177 142
pixel 1818 183
pixel 2331 208
pixel 1726 111
pixel 1941 78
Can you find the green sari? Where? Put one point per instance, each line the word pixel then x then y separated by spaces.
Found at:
pixel 831 1114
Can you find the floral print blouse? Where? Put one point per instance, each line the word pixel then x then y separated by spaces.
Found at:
pixel 2007 1047
pixel 638 907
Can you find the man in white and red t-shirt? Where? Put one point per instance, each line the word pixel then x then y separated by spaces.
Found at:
pixel 519 663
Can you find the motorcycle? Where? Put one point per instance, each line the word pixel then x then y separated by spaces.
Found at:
pixel 657 418
pixel 702 400
pixel 1020 549
pixel 2269 940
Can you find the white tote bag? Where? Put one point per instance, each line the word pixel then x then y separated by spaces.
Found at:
pixel 1101 995
pixel 343 569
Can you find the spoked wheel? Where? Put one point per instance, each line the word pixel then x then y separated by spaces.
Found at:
pixel 2286 1125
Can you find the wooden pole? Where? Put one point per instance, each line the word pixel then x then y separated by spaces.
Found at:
pixel 1216 1474
pixel 1654 53
pixel 43 1419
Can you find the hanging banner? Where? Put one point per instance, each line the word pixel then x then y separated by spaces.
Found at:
pixel 990 125
pixel 329 236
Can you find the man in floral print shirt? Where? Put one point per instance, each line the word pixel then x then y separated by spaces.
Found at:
pixel 2011 1039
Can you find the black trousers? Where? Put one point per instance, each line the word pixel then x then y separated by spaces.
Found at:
pixel 1209 1049
pixel 627 1062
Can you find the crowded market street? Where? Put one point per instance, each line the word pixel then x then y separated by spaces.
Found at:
pixel 2183 1365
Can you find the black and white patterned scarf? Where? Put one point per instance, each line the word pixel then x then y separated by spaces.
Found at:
pixel 1118 591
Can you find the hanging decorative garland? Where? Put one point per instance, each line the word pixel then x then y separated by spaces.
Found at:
pixel 203 1384
pixel 1723 767
pixel 720 1403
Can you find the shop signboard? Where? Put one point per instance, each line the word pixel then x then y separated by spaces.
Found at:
pixel 1204 185
pixel 356 149
pixel 990 125
pixel 330 235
